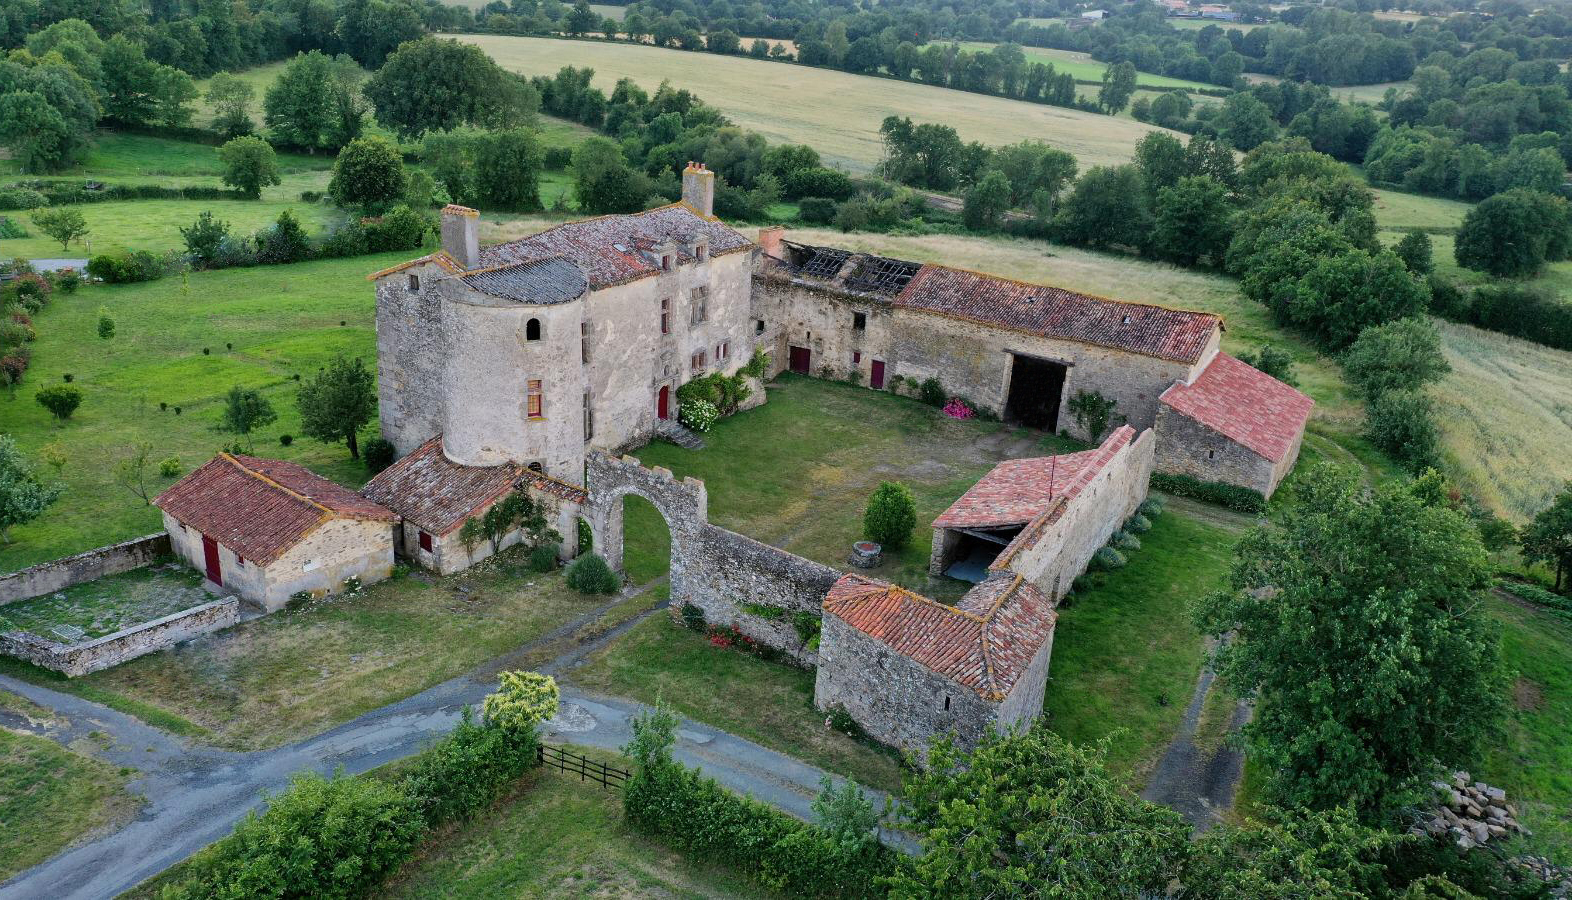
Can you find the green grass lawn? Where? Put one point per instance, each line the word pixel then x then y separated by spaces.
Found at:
pixel 1084 68
pixel 116 156
pixel 1535 763
pixel 797 471
pixel 106 605
pixel 767 703
pixel 556 836
pixel 296 672
pixel 154 225
pixel 50 796
pixel 1125 654
pixel 260 328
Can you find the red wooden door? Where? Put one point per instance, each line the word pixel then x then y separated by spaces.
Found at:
pixel 210 556
pixel 800 360
pixel 663 403
pixel 876 377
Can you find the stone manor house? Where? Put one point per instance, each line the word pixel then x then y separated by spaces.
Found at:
pixel 534 364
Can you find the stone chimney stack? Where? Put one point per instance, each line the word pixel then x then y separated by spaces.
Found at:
pixel 770 238
pixel 459 237
pixel 698 188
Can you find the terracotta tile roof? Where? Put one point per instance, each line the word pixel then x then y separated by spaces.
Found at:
pixel 556 487
pixel 986 644
pixel 1173 334
pixel 1057 313
pixel 436 494
pixel 1015 491
pixel 608 248
pixel 1245 405
pixel 1054 509
pixel 440 258
pixel 259 508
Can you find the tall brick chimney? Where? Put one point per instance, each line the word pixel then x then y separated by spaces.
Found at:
pixel 770 240
pixel 698 188
pixel 459 237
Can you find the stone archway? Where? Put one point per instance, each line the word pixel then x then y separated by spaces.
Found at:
pixel 682 503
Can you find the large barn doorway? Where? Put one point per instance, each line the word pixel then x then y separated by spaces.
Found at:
pixel 1036 391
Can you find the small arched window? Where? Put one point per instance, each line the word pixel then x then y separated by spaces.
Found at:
pixel 532 330
pixel 537 467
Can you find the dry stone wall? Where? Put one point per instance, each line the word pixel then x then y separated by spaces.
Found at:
pixel 111 650
pixel 59 574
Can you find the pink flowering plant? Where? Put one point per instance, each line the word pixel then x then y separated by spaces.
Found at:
pixel 957 409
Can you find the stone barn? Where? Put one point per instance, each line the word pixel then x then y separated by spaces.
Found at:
pixel 1233 424
pixel 266 529
pixel 435 496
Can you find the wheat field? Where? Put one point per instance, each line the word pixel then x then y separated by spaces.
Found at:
pixel 836 112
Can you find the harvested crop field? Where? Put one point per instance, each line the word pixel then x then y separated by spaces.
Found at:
pixel 838 113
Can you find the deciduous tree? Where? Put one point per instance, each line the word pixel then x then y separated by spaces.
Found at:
pixel 63 223
pixel 368 173
pixel 23 497
pixel 337 402
pixel 1548 538
pixel 438 85
pixel 1401 355
pixel 891 515
pixel 249 165
pixel 246 410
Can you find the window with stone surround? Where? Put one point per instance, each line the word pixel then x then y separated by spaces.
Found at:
pixel 698 361
pixel 425 541
pixel 533 393
pixel 532 330
pixel 414 282
pixel 665 315
pixel 722 350
pixel 701 302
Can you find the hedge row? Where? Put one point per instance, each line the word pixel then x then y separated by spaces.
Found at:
pixel 692 813
pixel 1232 496
pixel 341 837
pixel 1533 593
pixel 57 193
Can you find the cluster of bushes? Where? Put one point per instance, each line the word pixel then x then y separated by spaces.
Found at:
pixel 135 265
pixel 1533 593
pixel 342 836
pixel 1520 311
pixel 840 856
pixel 589 574
pixel 1232 496
pixel 21 298
pixel 34 194
pixel 1391 365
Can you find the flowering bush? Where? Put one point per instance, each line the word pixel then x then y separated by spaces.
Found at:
pixel 957 409
pixel 522 701
pixel 700 415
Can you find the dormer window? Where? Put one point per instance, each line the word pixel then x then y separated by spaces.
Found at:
pixel 532 330
pixel 702 252
pixel 668 261
pixel 414 282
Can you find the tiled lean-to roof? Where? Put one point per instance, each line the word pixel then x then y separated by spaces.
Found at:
pixel 611 249
pixel 1043 310
pixel 985 644
pixel 1244 405
pixel 1015 491
pixel 259 508
pixel 436 494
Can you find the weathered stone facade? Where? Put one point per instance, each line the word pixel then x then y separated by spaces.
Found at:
pixel 59 574
pixel 318 564
pixel 1190 448
pixel 111 650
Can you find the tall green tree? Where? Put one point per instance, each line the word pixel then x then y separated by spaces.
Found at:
pixel 314 103
pixel 986 202
pixel 230 99
pixel 1401 355
pixel 507 169
pixel 23 497
pixel 438 85
pixel 1162 161
pixel 1118 87
pixel 1030 815
pixel 1548 539
pixel 246 410
pixel 1288 855
pixel 1513 234
pixel 602 180
pixel 1193 221
pixel 1107 206
pixel 38 136
pixel 63 223
pixel 337 402
pixel 1342 295
pixel 368 173
pixel 1356 621
pixel 1245 122
pixel 249 165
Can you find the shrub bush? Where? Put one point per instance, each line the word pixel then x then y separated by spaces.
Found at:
pixel 60 399
pixel 11 229
pixel 1522 312
pixel 1106 559
pixel 1138 524
pixel 1151 507
pixel 1124 540
pixel 693 617
pixel 468 770
pixel 589 574
pixel 816 210
pixel 891 515
pixel 169 467
pixel 401 229
pixel 1533 593
pixel 932 393
pixel 543 559
pixel 21 198
pixel 557 158
pixel 700 415
pixel 1399 422
pixel 378 453
pixel 323 837
pixel 286 439
pixel 1229 495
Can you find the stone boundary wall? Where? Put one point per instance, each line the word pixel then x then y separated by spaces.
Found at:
pixel 1052 558
pixel 58 574
pixel 129 643
pixel 712 568
pixel 731 569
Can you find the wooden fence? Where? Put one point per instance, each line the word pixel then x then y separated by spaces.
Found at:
pixel 587 769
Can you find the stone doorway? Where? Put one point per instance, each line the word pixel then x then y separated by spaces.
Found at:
pixel 1036 391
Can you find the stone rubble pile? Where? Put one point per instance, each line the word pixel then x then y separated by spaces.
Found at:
pixel 1558 877
pixel 1472 812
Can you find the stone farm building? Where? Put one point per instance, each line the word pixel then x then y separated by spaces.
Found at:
pixel 266 529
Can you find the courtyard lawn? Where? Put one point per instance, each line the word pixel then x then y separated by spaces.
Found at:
pixel 836 112
pixel 107 605
pixel 1125 654
pixel 49 796
pixel 152 382
pixel 767 703
pixel 556 836
pixel 797 472
pixel 1534 763
pixel 300 671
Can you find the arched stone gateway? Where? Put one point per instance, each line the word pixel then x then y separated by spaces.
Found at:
pixel 682 503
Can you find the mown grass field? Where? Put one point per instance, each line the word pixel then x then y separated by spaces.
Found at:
pixel 260 327
pixel 49 795
pixel 836 112
pixel 1084 68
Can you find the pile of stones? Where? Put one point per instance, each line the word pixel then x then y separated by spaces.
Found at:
pixel 1472 812
pixel 1558 877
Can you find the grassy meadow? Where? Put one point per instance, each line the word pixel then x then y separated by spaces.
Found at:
pixel 836 112
pixel 1084 68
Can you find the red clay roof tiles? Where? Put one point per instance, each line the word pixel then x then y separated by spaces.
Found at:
pixel 259 508
pixel 436 494
pixel 1245 405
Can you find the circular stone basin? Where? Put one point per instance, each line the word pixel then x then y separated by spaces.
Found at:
pixel 865 554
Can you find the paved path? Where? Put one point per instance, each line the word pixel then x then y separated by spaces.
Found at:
pixel 1200 785
pixel 196 794
pixel 55 265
